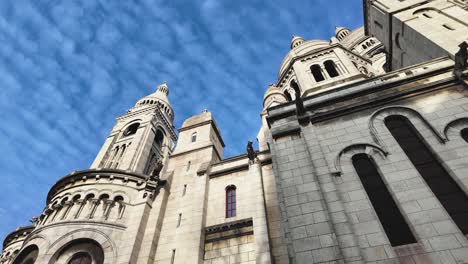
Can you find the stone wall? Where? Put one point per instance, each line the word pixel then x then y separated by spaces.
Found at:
pixel 233 250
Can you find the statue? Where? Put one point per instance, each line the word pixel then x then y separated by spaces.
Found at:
pixel 157 170
pixel 35 220
pixel 250 151
pixel 300 109
pixel 461 59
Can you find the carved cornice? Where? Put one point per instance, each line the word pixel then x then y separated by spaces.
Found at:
pixel 229 226
pixel 110 174
pixel 20 232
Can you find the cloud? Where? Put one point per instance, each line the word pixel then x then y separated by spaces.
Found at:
pixel 68 68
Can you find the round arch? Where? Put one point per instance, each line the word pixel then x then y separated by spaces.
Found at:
pixel 93 237
pixel 83 249
pixel 28 255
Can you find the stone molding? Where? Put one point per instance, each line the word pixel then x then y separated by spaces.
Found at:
pixel 358 148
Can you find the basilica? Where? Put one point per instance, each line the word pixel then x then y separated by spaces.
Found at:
pixel 362 158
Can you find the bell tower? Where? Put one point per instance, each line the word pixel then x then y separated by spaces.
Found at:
pixel 141 137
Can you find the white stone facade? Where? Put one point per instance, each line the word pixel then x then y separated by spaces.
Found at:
pixel 153 196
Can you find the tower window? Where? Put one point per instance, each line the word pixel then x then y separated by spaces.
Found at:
pixel 159 138
pixel 173 256
pixel 230 201
pixel 194 137
pixel 132 129
pixel 450 195
pixel 179 219
pixel 317 73
pixel 392 220
pixel 464 134
pixel 288 96
pixel 81 258
pixel 331 68
pixel 448 27
pixel 426 15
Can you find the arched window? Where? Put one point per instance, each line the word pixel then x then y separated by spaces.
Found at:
pixel 116 164
pixel 159 138
pixel 81 258
pixel 230 201
pixel 194 137
pixel 317 73
pixel 464 134
pixel 80 251
pixel 132 129
pixel 450 195
pixel 28 255
pixel 331 68
pixel 288 96
pixel 392 220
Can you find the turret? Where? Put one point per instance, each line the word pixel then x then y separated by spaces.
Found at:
pixel 141 137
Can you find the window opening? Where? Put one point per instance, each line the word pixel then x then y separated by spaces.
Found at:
pixel 81 258
pixel 331 68
pixel 444 187
pixel 464 134
pixel 448 27
pixel 317 73
pixel 194 137
pixel 394 225
pixel 230 201
pixel 288 96
pixel 132 129
pixel 173 256
pixel 179 219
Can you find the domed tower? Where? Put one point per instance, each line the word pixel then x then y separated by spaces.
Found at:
pixel 273 96
pixel 316 65
pixel 108 213
pixel 140 137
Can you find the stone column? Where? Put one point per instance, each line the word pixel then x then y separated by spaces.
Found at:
pixel 260 224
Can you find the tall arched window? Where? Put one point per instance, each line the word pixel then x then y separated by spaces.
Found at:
pixel 194 137
pixel 116 164
pixel 159 138
pixel 317 73
pixel 392 220
pixel 81 258
pixel 464 134
pixel 230 201
pixel 450 195
pixel 331 68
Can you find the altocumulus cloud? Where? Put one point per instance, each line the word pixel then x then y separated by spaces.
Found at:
pixel 68 68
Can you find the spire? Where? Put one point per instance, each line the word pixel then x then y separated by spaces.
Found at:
pixel 160 98
pixel 163 88
pixel 296 41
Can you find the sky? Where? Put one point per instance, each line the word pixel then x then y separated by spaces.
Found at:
pixel 68 68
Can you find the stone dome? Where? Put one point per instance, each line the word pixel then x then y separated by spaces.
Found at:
pixel 273 91
pixel 160 98
pixel 303 48
pixel 341 33
pixel 205 116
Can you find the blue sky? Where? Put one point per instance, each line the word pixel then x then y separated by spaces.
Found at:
pixel 68 68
